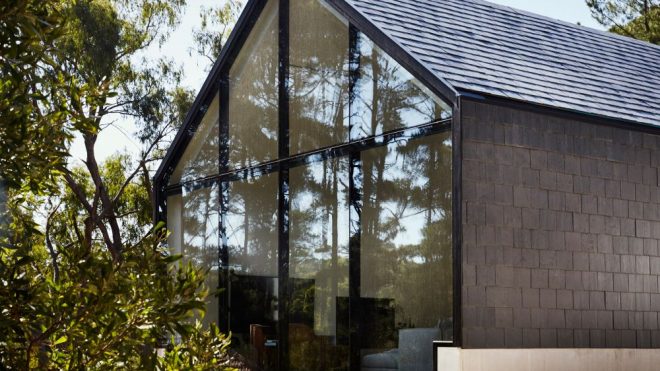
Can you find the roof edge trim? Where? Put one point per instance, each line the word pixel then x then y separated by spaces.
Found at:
pixel 567 113
pixel 416 67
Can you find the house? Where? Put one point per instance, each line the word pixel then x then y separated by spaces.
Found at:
pixel 420 184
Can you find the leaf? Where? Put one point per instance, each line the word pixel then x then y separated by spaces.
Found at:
pixel 173 258
pixel 61 340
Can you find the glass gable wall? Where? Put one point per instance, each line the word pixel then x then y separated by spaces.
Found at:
pixel 319 67
pixel 253 101
pixel 330 248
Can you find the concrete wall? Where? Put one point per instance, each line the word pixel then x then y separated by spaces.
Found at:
pixel 560 232
pixel 453 359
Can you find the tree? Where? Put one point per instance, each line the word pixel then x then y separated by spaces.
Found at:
pixel 31 118
pixel 88 284
pixel 639 19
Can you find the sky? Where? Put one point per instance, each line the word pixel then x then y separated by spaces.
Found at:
pixel 118 138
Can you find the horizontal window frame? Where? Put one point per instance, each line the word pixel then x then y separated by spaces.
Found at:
pixel 321 154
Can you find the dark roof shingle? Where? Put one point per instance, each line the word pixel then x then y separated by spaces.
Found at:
pixel 486 48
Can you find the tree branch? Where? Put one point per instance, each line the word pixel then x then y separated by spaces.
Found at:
pixel 141 164
pixel 147 180
pixel 77 191
pixel 114 244
pixel 49 244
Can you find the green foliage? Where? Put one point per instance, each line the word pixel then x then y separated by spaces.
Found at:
pixel 639 19
pixel 205 349
pixel 78 308
pixel 98 314
pixel 84 281
pixel 31 117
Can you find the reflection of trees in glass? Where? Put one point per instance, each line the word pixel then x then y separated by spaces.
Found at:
pixel 318 263
pixel 406 229
pixel 388 97
pixel 319 76
pixel 251 226
pixel 201 240
pixel 253 94
pixel 200 158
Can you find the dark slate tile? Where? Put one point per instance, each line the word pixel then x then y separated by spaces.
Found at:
pixel 643 339
pixel 629 339
pixel 620 320
pixel 548 338
pixel 531 337
pixel 597 338
pixel 495 338
pixel 613 339
pixel 513 337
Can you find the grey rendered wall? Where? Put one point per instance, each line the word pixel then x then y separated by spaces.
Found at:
pixel 560 232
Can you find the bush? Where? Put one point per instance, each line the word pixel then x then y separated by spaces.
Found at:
pixel 101 314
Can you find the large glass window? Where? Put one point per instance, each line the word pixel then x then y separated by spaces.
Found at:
pixel 319 76
pixel 200 158
pixel 406 249
pixel 252 293
pixel 201 243
pixel 253 97
pixel 339 256
pixel 388 97
pixel 251 225
pixel 318 260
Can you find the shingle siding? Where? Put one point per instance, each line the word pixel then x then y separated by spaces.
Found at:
pixel 561 231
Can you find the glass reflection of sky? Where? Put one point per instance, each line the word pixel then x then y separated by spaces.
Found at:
pixel 200 228
pixel 411 219
pixel 417 105
pixel 256 196
pixel 200 159
pixel 303 199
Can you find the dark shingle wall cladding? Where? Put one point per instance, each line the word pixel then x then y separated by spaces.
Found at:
pixel 561 227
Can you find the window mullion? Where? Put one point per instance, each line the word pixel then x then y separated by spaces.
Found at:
pixel 283 187
pixel 223 189
pixel 355 200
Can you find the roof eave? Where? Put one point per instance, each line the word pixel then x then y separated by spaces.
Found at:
pixel 568 113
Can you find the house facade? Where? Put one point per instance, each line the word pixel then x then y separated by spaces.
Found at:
pixel 417 185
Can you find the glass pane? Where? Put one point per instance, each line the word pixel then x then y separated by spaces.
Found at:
pixel 318 261
pixel 406 251
pixel 252 242
pixel 174 223
pixel 319 76
pixel 388 97
pixel 201 157
pixel 201 240
pixel 253 94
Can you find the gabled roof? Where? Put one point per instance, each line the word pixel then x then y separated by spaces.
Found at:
pixel 481 47
pixel 475 46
